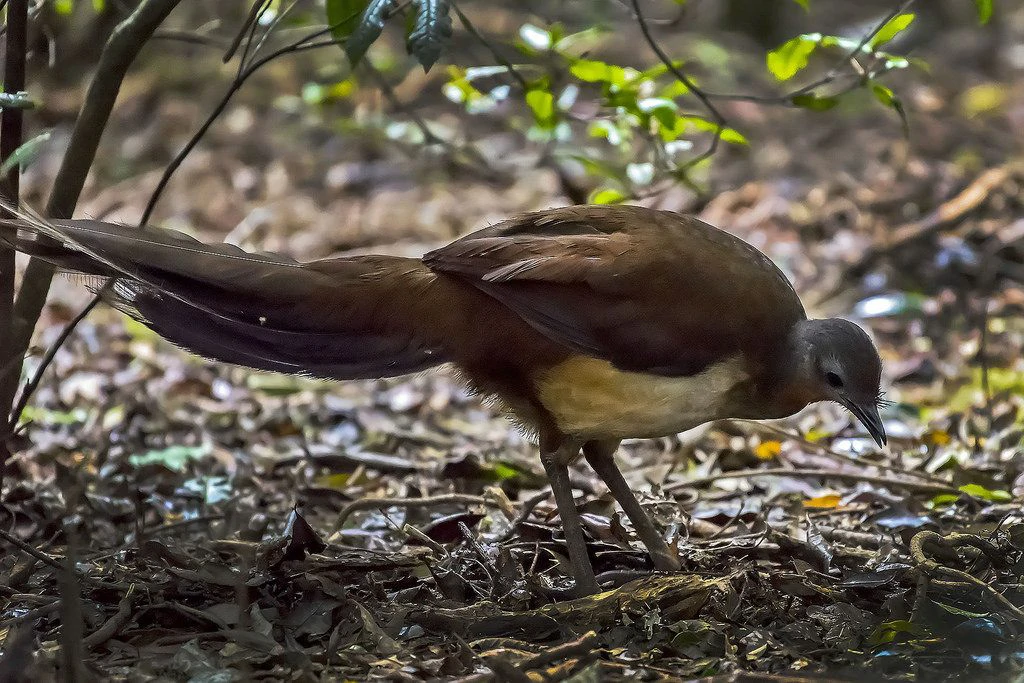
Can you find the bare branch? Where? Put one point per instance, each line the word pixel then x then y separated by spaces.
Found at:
pixel 118 55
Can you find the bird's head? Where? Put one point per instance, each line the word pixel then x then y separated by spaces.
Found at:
pixel 834 360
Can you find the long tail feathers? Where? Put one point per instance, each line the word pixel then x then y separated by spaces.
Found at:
pixel 336 318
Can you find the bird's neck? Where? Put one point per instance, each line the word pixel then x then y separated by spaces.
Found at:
pixel 787 386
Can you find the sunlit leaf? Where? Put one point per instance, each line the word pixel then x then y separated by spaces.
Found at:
pixel 431 32
pixel 791 57
pixel 607 195
pixel 53 417
pixel 603 128
pixel 173 458
pixel 891 29
pixel 593 71
pixel 535 37
pixel 640 173
pixel 944 499
pixel 890 305
pixel 979 491
pixel 26 153
pixel 986 98
pixel 336 481
pixel 542 104
pixel 984 10
pixel 886 96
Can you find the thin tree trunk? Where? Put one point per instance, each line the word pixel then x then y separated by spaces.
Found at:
pixel 11 132
pixel 118 55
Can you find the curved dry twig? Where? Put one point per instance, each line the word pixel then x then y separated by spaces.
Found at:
pixel 929 566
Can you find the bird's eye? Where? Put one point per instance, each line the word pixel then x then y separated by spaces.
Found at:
pixel 834 380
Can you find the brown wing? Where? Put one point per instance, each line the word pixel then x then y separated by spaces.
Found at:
pixel 647 290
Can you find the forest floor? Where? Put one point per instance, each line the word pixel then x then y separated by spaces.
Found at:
pixel 173 518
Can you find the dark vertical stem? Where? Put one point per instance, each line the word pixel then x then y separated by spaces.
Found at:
pixel 118 55
pixel 11 125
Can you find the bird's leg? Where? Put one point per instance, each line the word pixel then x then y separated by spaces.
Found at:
pixel 556 454
pixel 601 456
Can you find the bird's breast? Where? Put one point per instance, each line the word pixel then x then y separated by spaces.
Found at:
pixel 589 398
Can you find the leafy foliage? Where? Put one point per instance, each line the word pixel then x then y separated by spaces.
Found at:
pixel 359 23
pixel 431 32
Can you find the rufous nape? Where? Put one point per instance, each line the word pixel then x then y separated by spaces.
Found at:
pixel 587 324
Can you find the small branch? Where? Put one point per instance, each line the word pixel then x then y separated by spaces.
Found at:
pixel 822 448
pixel 244 73
pixel 479 164
pixel 11 133
pixel 498 57
pixel 830 77
pixel 51 353
pixel 528 506
pixel 716 116
pixel 921 486
pixel 54 562
pixel 189 37
pixel 247 27
pixel 929 565
pixel 114 624
pixel 408 503
pixel 118 55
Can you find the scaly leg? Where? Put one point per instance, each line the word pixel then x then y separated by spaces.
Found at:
pixel 556 454
pixel 601 456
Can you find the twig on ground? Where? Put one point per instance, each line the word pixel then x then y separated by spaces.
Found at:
pixel 928 565
pixel 409 503
pixel 923 486
pixel 528 507
pixel 114 624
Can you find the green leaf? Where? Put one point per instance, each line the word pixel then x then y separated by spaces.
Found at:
pixel 804 3
pixel 173 458
pixel 891 29
pixel 888 631
pixel 979 491
pixel 603 128
pixel 343 16
pixel 791 57
pixel 16 100
pixel 593 71
pixel 54 417
pixel 889 99
pixel 368 29
pixel 883 94
pixel 944 499
pixel 542 104
pixel 815 103
pixel 984 10
pixel 576 44
pixel 26 153
pixel 952 609
pixel 729 135
pixel 431 32
pixel 607 195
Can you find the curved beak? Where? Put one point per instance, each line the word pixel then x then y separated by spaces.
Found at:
pixel 868 415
